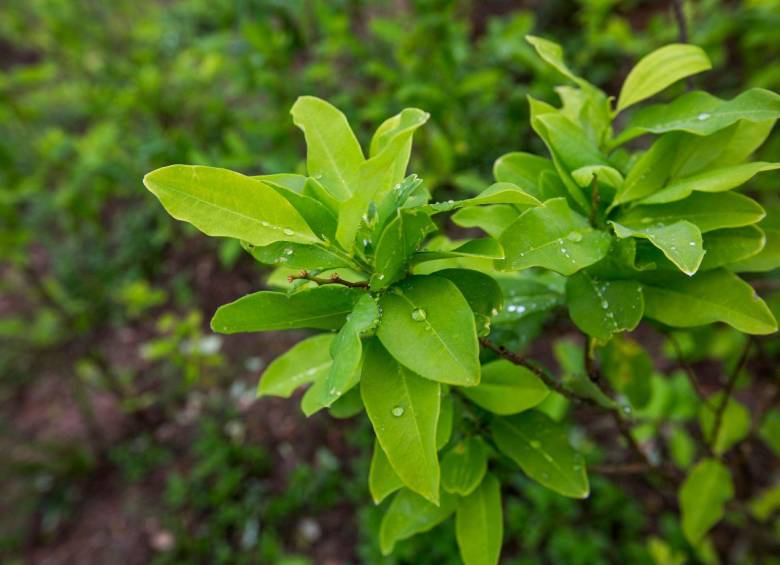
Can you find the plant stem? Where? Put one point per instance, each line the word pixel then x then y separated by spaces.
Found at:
pixel 727 394
pixel 332 279
pixel 682 30
pixel 690 373
pixel 521 361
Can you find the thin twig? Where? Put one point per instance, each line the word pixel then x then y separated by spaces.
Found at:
pixel 595 199
pixel 682 31
pixel 518 359
pixel 691 374
pixel 622 423
pixel 332 279
pixel 727 393
pixel 620 468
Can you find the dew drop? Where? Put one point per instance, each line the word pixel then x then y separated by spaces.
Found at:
pixel 703 116
pixel 288 251
pixel 264 224
pixel 494 312
pixel 535 444
pixel 381 276
pixel 692 243
pixel 574 236
pixel 418 314
pixel 287 231
pixel 604 304
pixel 398 411
pixel 365 243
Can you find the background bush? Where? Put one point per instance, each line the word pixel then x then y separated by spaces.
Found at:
pixel 130 428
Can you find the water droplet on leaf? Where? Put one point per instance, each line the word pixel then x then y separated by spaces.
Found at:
pixel 418 314
pixel 574 236
pixel 287 231
pixel 703 116
pixel 398 411
pixel 535 444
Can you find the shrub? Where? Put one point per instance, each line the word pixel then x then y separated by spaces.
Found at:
pixel 417 328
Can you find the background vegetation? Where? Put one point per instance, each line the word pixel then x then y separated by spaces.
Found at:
pixel 130 432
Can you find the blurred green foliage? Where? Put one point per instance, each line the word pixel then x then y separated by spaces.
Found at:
pixel 94 94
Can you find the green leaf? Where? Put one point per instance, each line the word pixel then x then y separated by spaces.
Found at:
pixel 765 260
pixel 347 349
pixel 590 108
pixel 552 236
pixel 727 247
pixel 318 216
pixel 701 113
pixel 446 418
pixel 770 430
pixel 411 514
pixel 734 424
pixel 463 467
pixel 400 239
pixel 428 326
pixel 713 180
pixel 481 291
pixel 222 203
pixel 766 503
pixel 493 220
pixel 651 171
pixel 707 211
pixel 333 154
pixel 707 297
pixel 378 175
pixel 569 146
pixel 703 496
pixel 497 193
pixel 382 479
pixel 660 69
pixel 680 242
pixel 323 307
pixel 602 308
pixel 506 388
pixel 479 524
pixel 571 359
pixel 523 170
pixel 348 405
pixel 541 448
pixel 606 175
pixel 525 296
pixel 481 248
pixel 311 403
pixel 306 362
pixel 297 256
pixel 552 54
pixel 629 369
pixel 404 411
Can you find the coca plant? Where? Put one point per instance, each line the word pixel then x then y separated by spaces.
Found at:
pixel 419 330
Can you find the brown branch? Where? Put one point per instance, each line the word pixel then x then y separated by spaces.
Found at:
pixel 620 468
pixel 727 393
pixel 332 279
pixel 623 424
pixel 688 370
pixel 682 30
pixel 521 361
pixel 595 199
